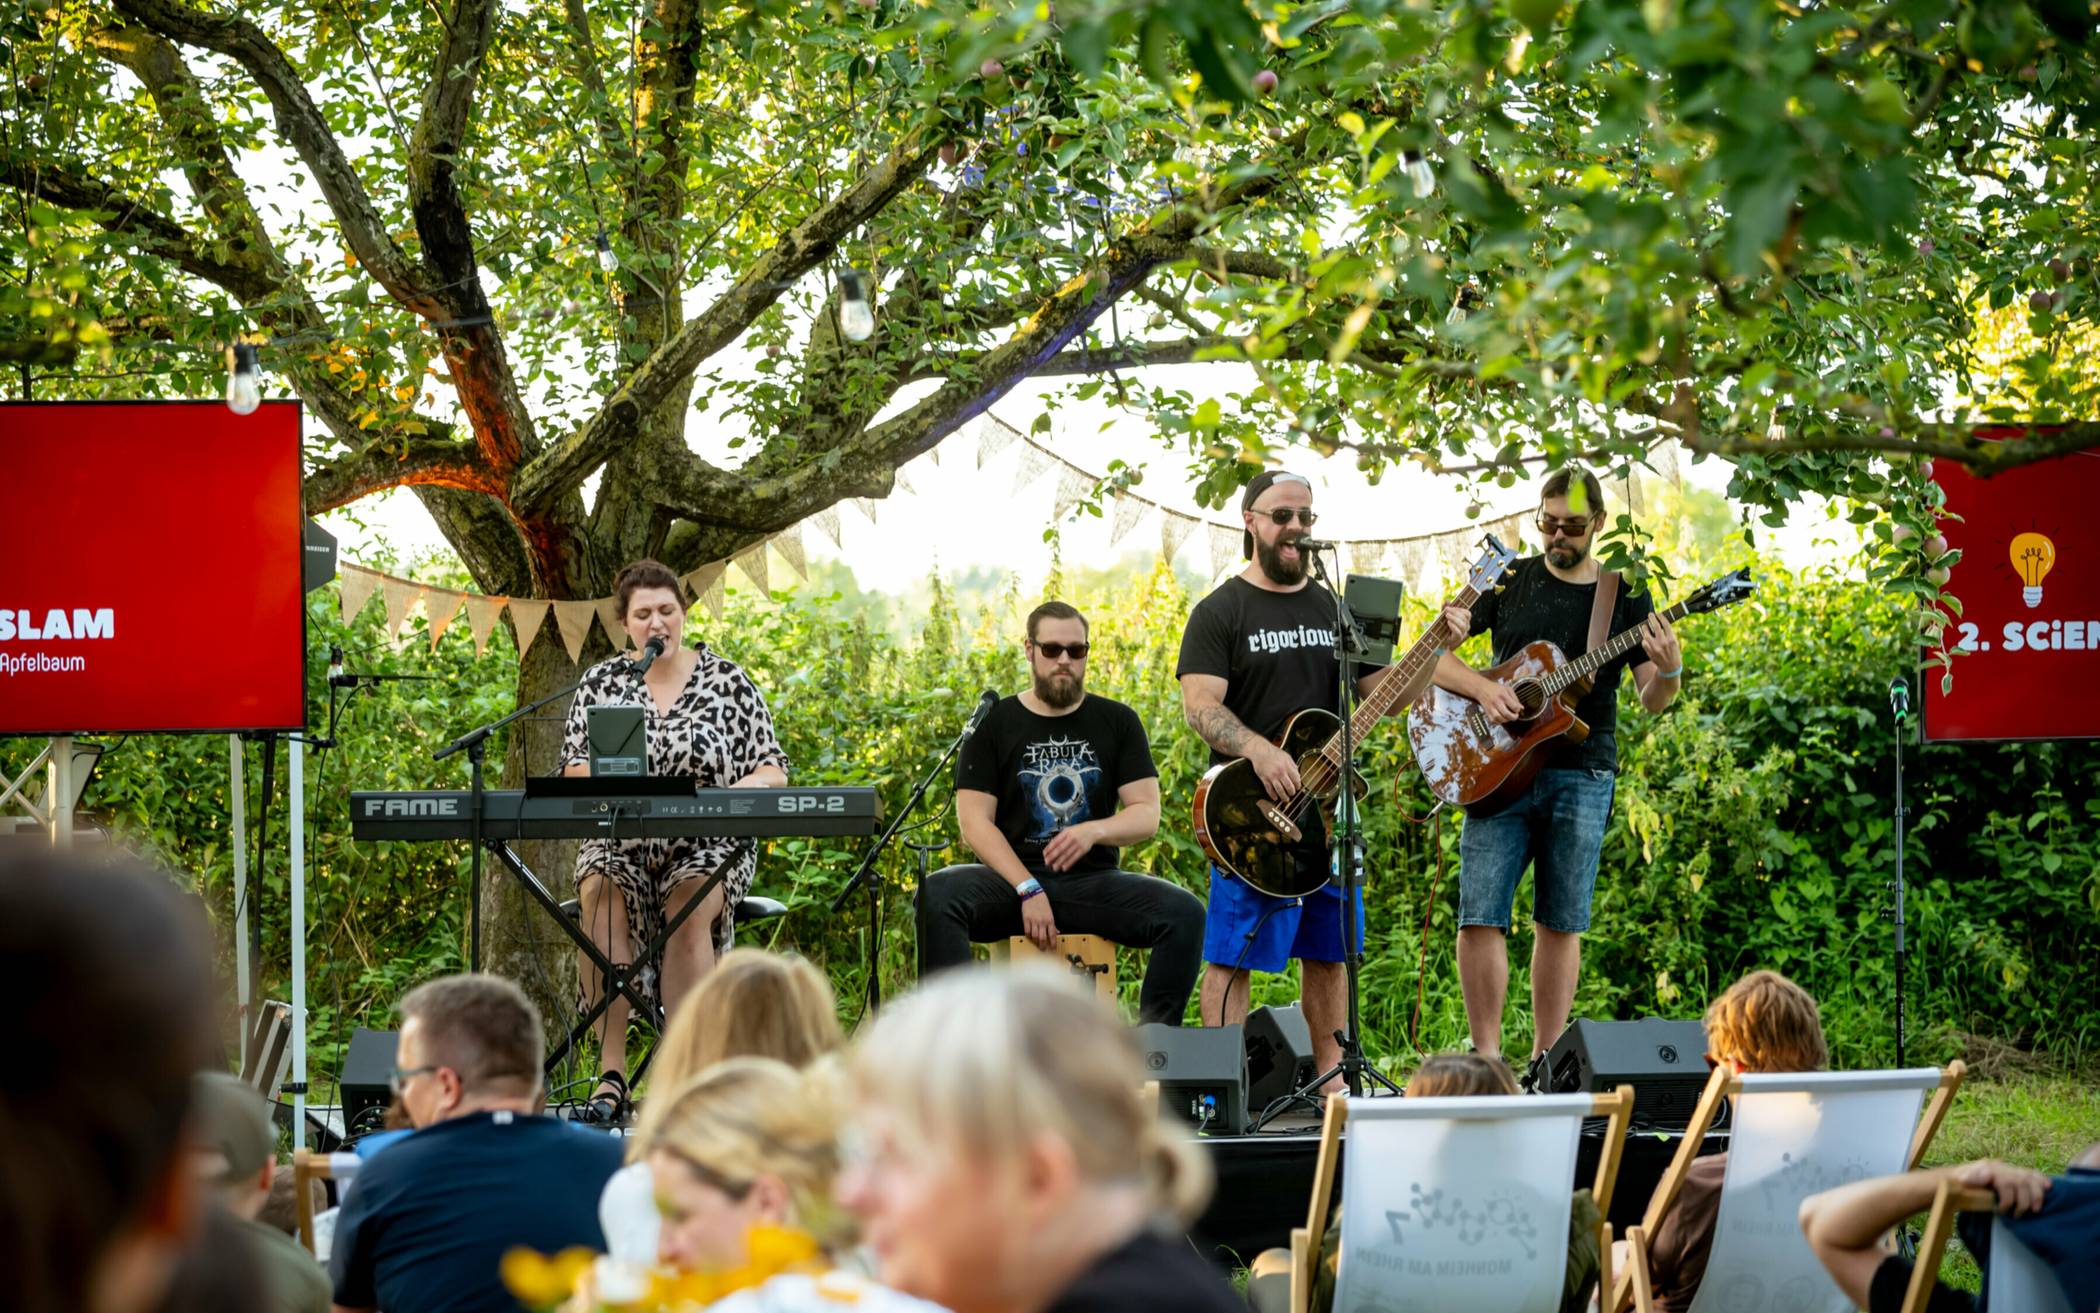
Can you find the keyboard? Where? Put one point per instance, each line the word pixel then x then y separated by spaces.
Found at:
pixel 438 814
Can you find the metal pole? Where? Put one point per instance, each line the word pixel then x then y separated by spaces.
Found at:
pixel 58 794
pixel 298 879
pixel 237 776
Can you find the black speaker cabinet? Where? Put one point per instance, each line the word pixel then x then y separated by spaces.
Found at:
pixel 1664 1061
pixel 365 1087
pixel 1279 1055
pixel 1202 1074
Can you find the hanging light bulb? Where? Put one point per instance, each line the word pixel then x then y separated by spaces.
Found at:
pixel 244 380
pixel 856 316
pixel 1420 174
pixel 607 261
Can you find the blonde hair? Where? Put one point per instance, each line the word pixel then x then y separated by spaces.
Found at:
pixel 1445 1075
pixel 974 1063
pixel 744 1118
pixel 1766 1022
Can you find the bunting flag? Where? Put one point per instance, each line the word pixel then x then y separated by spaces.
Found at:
pixel 788 543
pixel 527 614
pixel 439 606
pixel 357 588
pixel 1224 548
pixel 1174 530
pixel 866 505
pixel 401 597
pixel 1129 510
pixel 752 561
pixel 1072 489
pixel 827 522
pixel 1033 465
pixel 711 595
pixel 994 438
pixel 482 614
pixel 901 482
pixel 573 620
pixel 609 620
pixel 704 578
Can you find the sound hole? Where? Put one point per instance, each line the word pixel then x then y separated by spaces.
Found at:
pixel 1531 695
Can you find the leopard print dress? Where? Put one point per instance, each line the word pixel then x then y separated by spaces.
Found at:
pixel 716 732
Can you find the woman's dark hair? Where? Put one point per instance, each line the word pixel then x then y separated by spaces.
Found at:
pixel 107 970
pixel 646 574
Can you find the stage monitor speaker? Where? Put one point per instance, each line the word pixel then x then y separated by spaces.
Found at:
pixel 1202 1073
pixel 366 1067
pixel 1279 1055
pixel 1664 1061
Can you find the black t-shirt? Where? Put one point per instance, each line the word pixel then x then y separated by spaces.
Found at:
pixel 1275 652
pixel 1049 772
pixel 1533 604
pixel 427 1220
pixel 1149 1274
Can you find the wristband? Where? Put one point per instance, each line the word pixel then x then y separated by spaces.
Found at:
pixel 1671 674
pixel 1028 888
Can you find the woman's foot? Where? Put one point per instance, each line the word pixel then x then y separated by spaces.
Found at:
pixel 608 1103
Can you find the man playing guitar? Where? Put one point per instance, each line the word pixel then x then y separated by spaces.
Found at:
pixel 1557 823
pixel 1257 650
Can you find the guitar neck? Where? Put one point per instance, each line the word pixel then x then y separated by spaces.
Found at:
pixel 1386 692
pixel 1589 663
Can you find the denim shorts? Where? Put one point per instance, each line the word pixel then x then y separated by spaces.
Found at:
pixel 1556 824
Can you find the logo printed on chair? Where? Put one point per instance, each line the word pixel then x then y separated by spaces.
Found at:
pixel 1508 1214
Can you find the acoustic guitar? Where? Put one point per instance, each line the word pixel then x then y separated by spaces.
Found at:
pixel 1246 832
pixel 1471 763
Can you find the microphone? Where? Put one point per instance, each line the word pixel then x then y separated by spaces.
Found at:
pixel 336 677
pixel 1313 545
pixel 1899 698
pixel 651 650
pixel 985 704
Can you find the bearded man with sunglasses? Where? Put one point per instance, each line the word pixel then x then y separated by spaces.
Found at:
pixel 1557 825
pixel 1053 783
pixel 1257 651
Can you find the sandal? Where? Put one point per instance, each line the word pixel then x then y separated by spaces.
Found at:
pixel 604 1109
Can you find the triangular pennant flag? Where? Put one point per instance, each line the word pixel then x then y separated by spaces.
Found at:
pixel 788 543
pixel 866 506
pixel 573 619
pixel 1072 488
pixel 900 482
pixel 527 614
pixel 704 578
pixel 993 439
pixel 608 609
pixel 1413 553
pixel 439 606
pixel 752 561
pixel 358 585
pixel 1224 549
pixel 1174 530
pixel 1033 465
pixel 711 593
pixel 401 598
pixel 827 522
pixel 1129 510
pixel 933 454
pixel 482 613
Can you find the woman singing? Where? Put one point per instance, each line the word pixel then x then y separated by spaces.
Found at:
pixel 706 720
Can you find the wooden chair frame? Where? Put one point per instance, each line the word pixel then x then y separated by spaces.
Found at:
pixel 307 1167
pixel 1949 1199
pixel 1632 1287
pixel 1306 1240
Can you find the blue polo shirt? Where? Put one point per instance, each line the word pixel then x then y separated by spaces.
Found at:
pixel 426 1224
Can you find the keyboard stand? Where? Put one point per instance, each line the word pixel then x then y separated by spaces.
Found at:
pixel 616 978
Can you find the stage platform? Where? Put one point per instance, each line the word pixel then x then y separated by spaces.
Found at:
pixel 1265 1181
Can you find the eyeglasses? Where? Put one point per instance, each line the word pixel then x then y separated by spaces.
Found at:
pixel 1283 514
pixel 396 1077
pixel 1056 650
pixel 1571 528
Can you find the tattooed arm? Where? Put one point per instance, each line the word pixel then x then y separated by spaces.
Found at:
pixel 1203 706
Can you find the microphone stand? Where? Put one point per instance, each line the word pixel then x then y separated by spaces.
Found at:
pixel 1899 706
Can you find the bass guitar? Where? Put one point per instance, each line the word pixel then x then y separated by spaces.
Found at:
pixel 1472 763
pixel 1246 832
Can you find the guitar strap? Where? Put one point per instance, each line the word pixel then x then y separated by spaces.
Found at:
pixel 1600 609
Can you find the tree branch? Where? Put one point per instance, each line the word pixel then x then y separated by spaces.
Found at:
pixel 420 461
pixel 1957 442
pixel 117 212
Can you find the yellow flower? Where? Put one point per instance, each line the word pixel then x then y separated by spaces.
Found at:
pixel 542 1282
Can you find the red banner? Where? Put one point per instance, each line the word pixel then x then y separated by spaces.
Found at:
pixel 2029 584
pixel 150 568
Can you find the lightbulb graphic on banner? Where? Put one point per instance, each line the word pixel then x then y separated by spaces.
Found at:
pixel 2033 556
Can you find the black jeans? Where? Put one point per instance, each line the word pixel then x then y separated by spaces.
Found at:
pixel 964 905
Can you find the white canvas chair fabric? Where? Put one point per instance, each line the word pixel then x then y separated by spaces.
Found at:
pixel 2019 1282
pixel 1796 1134
pixel 1456 1204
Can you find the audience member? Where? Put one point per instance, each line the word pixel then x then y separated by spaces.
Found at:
pixel 1009 1163
pixel 236 1149
pixel 425 1225
pixel 1762 1023
pixel 753 1004
pixel 280 1211
pixel 1443 1075
pixel 108 974
pixel 2057 1218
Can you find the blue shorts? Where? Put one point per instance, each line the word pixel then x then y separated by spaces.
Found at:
pixel 1557 826
pixel 1309 928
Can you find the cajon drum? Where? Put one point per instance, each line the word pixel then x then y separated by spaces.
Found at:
pixel 1089 956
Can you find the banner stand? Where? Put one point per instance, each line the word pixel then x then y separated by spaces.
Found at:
pixel 297 1087
pixel 243 982
pixel 55 814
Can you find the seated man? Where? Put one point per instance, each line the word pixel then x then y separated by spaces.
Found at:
pixel 2058 1218
pixel 1762 1023
pixel 237 1159
pixel 1441 1076
pixel 1036 794
pixel 425 1225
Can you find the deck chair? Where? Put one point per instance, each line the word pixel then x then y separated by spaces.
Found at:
pixel 308 1166
pixel 1454 1204
pixel 2015 1282
pixel 1794 1134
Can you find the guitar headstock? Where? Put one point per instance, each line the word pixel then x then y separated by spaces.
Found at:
pixel 1494 559
pixel 1727 590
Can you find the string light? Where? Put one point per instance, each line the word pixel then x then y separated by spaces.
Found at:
pixel 607 261
pixel 856 316
pixel 1420 174
pixel 244 381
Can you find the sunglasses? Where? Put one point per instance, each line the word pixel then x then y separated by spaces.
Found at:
pixel 1056 650
pixel 1568 528
pixel 1283 515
